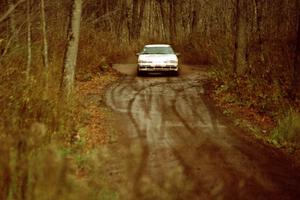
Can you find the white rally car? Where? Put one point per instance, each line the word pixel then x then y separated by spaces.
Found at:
pixel 157 58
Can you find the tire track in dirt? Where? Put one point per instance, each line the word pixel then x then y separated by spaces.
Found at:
pixel 183 150
pixel 167 85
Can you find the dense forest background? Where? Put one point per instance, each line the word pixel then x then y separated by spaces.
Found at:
pixel 256 37
pixel 254 46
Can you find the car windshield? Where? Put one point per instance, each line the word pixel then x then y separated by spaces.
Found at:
pixel 157 50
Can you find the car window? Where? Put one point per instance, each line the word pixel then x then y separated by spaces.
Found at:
pixel 157 50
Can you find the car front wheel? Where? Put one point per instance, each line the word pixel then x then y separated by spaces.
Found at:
pixel 140 73
pixel 176 73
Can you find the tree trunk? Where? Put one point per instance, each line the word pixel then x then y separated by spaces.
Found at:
pixel 163 17
pixel 296 74
pixel 140 20
pixel 258 19
pixel 45 44
pixel 138 8
pixel 12 22
pixel 122 18
pixel 29 45
pixel 5 171
pixel 172 20
pixel 10 10
pixel 68 75
pixel 240 60
pixel 133 19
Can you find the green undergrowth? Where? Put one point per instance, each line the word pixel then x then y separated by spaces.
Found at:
pixel 287 132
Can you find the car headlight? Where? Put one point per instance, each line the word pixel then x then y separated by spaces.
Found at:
pixel 171 61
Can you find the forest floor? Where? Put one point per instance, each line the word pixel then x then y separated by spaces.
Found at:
pixel 95 126
pixel 256 124
pixel 165 139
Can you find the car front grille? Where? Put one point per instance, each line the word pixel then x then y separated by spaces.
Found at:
pixel 158 68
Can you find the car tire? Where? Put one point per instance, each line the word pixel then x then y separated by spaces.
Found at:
pixel 140 73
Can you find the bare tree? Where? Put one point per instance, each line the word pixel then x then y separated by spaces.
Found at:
pixel 29 45
pixel 68 76
pixel 45 43
pixel 6 172
pixel 172 20
pixel 258 20
pixel 12 24
pixel 296 73
pixel 138 7
pixel 240 62
pixel 10 10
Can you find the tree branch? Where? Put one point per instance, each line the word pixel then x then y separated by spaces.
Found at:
pixel 10 10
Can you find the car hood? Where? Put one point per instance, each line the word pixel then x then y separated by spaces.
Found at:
pixel 157 57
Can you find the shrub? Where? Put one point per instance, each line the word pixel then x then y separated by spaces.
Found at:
pixel 288 129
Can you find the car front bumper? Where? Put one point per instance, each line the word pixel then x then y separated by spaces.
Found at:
pixel 157 68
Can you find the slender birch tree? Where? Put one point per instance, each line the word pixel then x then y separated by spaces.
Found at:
pixel 12 22
pixel 68 75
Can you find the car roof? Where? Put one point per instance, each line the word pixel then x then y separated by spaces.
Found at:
pixel 157 45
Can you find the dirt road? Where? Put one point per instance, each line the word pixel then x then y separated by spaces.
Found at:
pixel 173 145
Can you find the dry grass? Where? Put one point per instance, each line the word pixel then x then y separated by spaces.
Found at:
pixel 288 130
pixel 40 159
